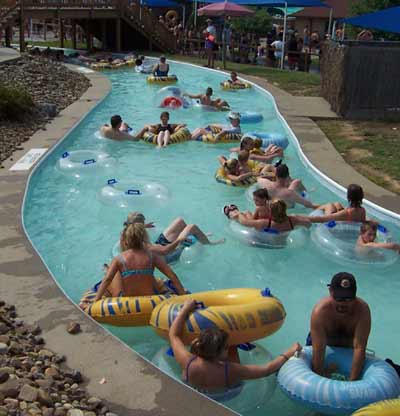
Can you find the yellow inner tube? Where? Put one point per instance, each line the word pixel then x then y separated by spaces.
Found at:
pixel 125 310
pixel 182 135
pixel 224 138
pixel 383 408
pixel 245 314
pixel 170 79
pixel 229 86
pixel 220 176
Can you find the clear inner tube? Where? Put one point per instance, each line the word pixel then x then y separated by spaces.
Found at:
pixel 83 162
pixel 337 240
pixel 271 239
pixel 133 193
pixel 247 395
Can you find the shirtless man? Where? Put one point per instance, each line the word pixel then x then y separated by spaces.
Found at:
pixel 340 320
pixel 205 99
pixel 285 188
pixel 115 132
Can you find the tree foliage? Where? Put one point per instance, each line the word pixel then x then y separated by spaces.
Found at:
pixel 370 6
pixel 260 23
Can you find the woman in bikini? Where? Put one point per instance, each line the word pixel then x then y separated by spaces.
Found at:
pixel 132 272
pixel 270 153
pixel 279 221
pixel 211 365
pixel 336 212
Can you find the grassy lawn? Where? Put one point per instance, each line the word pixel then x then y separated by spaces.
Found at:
pixel 296 83
pixel 371 147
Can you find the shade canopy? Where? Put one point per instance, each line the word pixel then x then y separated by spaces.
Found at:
pixel 224 9
pixel 276 3
pixel 387 20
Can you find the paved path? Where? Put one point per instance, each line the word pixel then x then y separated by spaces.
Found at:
pixel 300 112
pixel 8 54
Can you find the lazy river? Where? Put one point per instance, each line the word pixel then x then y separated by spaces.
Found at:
pixel 74 230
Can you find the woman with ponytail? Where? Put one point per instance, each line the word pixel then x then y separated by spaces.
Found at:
pixel 211 365
pixel 132 272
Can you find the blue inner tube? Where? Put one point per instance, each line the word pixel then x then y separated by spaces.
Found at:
pixel 277 139
pixel 248 117
pixel 379 381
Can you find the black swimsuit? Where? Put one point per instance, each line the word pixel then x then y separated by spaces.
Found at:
pixel 161 128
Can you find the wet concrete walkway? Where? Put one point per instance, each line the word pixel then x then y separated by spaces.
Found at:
pixel 8 54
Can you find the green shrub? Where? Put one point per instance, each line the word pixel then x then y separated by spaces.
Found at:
pixel 15 102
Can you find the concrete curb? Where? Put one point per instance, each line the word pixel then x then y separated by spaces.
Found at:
pixel 134 386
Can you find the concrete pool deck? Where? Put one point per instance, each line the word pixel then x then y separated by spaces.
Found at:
pixel 133 387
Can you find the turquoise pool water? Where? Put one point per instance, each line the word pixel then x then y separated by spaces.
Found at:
pixel 74 231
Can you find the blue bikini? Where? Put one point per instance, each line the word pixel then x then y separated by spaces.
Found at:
pixel 133 272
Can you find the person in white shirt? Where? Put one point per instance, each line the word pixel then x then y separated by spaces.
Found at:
pixel 278 46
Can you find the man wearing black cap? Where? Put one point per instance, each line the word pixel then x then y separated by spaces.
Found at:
pixel 286 188
pixel 340 320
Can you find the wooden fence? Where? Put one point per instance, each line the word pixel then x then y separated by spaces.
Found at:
pixel 361 80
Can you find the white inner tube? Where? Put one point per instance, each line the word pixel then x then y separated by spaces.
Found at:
pixel 270 238
pixel 81 162
pixel 337 240
pixel 133 193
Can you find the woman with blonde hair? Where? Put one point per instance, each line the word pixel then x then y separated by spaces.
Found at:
pixel 132 272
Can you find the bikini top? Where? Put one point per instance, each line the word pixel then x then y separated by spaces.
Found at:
pixel 350 212
pixel 126 272
pixel 225 371
pixel 268 228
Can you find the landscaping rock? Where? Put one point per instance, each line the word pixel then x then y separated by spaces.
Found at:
pixel 73 328
pixel 28 393
pixel 3 348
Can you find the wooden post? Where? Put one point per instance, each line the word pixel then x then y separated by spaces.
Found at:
pixel 118 34
pixel 73 34
pixel 103 34
pixel 61 31
pixel 21 27
pixel 88 37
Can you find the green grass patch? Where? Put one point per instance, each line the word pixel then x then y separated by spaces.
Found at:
pixel 294 82
pixel 15 102
pixel 372 147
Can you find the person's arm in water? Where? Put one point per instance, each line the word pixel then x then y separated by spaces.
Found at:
pixel 360 341
pixel 108 278
pixel 167 249
pixel 295 197
pixel 248 372
pixel 182 355
pixel 164 268
pixel 240 177
pixel 319 340
pixel 374 244
pixel 300 220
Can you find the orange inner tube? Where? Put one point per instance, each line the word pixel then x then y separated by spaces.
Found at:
pixel 173 102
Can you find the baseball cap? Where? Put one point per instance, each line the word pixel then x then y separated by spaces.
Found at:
pixel 343 285
pixel 135 218
pixel 233 115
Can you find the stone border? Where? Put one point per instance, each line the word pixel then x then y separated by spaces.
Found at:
pixel 133 385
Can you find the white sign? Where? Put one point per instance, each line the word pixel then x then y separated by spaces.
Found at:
pixel 29 159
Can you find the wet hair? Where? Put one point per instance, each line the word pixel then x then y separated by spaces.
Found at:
pixel 231 164
pixel 115 120
pixel 282 171
pixel 367 226
pixel 164 114
pixel 209 91
pixel 162 59
pixel 278 210
pixel 355 195
pixel 234 73
pixel 261 193
pixel 243 156
pixel 138 62
pixel 257 143
pixel 246 140
pixel 134 236
pixel 210 343
pixel 142 57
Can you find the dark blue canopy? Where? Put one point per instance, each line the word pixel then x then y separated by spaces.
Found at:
pixel 160 3
pixel 387 20
pixel 275 3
